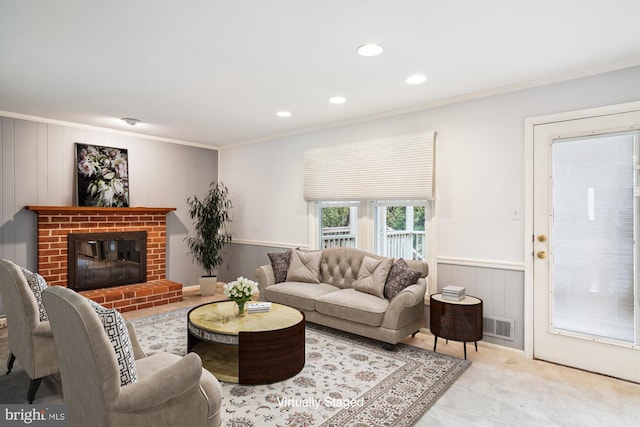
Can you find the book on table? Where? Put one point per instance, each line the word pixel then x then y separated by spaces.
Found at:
pixel 258 307
pixel 453 293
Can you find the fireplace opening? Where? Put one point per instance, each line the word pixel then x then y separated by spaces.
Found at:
pixel 102 260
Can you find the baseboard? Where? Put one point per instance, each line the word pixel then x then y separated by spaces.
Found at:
pixel 483 343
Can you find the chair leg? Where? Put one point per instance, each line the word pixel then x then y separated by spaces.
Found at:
pixel 33 387
pixel 12 359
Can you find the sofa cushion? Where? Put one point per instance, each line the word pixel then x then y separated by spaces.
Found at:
pixel 373 275
pixel 116 330
pixel 353 305
pixel 37 284
pixel 280 264
pixel 399 278
pixel 300 295
pixel 304 267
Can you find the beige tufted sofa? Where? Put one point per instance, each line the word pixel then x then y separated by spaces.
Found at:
pixel 334 302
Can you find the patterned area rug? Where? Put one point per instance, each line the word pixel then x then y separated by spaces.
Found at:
pixel 347 380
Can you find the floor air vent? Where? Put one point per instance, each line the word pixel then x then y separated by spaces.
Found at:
pixel 500 328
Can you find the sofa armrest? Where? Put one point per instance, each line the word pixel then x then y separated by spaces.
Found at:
pixel 408 304
pixel 265 277
pixel 167 383
pixel 411 295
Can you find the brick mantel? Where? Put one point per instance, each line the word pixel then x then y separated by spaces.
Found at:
pixel 95 209
pixel 56 222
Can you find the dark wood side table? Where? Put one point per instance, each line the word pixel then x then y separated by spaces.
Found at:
pixel 456 320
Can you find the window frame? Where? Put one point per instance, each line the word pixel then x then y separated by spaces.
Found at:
pixel 365 237
pixel 354 208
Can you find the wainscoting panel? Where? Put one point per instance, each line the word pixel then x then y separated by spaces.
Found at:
pixel 502 291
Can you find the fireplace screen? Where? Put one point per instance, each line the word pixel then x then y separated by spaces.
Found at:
pixel 102 260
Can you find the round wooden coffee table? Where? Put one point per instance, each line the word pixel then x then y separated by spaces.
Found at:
pixel 259 348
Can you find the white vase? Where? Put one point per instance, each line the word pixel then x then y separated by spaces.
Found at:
pixel 208 285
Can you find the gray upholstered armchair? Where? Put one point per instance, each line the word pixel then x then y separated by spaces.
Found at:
pixel 170 390
pixel 30 340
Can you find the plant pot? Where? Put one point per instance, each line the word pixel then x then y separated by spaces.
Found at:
pixel 208 285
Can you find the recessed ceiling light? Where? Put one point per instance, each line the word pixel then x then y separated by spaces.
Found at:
pixel 130 121
pixel 370 50
pixel 416 79
pixel 338 100
pixel 283 114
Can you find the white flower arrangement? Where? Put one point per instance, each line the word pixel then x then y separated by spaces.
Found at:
pixel 241 289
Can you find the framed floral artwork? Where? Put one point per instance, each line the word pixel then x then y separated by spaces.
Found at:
pixel 102 176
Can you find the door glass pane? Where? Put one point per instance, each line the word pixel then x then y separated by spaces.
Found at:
pixel 593 252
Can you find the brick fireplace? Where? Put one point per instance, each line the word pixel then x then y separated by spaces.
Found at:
pixel 54 223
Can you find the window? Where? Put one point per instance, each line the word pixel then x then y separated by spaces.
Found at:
pixel 338 224
pixel 397 229
pixel 400 229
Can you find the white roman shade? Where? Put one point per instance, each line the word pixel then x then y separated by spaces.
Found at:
pixel 393 168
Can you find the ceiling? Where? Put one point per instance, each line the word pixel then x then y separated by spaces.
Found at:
pixel 216 72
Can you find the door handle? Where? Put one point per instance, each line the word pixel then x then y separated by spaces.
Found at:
pixel 541 254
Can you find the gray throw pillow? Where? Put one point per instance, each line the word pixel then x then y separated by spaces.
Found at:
pixel 37 284
pixel 373 275
pixel 400 276
pixel 280 263
pixel 116 329
pixel 304 266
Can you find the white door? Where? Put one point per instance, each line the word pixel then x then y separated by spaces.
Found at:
pixel 585 268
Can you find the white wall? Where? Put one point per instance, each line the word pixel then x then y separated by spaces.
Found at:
pixel 479 167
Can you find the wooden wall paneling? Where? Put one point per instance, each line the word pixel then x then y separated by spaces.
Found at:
pixel 179 187
pixel 514 305
pixel 26 190
pixel 73 135
pixel 162 174
pixel 95 138
pixel 54 168
pixel 8 188
pixel 150 173
pixel 202 165
pixel 42 154
pixel 502 292
pixel 26 171
pixel 1 189
pixel 498 299
pixel 484 287
pixel 1 204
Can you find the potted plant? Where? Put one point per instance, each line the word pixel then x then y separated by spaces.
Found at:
pixel 211 217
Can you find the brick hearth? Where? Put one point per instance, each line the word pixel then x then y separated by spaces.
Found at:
pixel 56 222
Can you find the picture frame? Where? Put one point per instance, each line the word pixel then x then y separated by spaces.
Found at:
pixel 102 175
